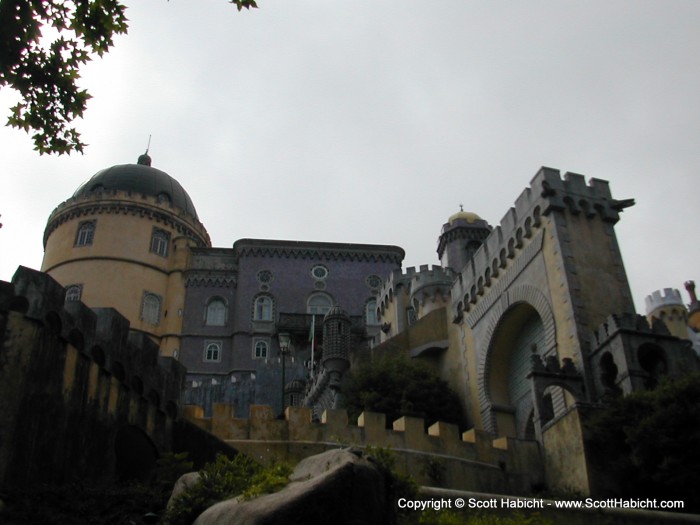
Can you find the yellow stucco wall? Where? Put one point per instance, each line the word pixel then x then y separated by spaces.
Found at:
pixel 119 266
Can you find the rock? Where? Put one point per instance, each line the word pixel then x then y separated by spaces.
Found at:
pixel 183 484
pixel 338 486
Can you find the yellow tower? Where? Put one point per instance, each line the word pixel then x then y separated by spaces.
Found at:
pixel 122 241
pixel 668 306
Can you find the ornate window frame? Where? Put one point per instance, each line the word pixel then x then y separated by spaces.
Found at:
pixel 263 308
pixel 160 242
pixel 151 304
pixel 216 317
pixel 261 348
pixel 212 351
pixel 74 292
pixel 85 234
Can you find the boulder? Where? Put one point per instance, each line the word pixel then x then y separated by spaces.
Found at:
pixel 338 486
pixel 183 484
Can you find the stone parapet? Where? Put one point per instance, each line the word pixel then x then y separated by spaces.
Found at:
pixel 75 385
pixel 125 203
pixel 548 193
pixel 439 455
pixel 663 298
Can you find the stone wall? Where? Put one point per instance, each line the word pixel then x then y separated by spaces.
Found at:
pixel 438 457
pixel 81 396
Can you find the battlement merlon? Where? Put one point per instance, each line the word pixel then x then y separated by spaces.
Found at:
pixel 662 298
pixel 103 335
pixel 335 428
pixel 628 323
pixel 552 192
pixel 548 192
pixel 123 202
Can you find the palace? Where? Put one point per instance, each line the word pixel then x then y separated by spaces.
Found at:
pixel 528 320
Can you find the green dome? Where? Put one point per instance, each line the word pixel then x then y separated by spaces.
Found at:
pixel 139 179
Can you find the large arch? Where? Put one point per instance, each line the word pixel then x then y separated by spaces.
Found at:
pixel 522 323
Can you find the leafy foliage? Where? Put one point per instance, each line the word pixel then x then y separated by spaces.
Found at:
pixel 224 479
pixel 45 71
pixel 649 441
pixel 43 44
pixel 401 387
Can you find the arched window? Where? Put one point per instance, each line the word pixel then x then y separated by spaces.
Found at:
pixel 212 351
pixel 74 292
pixel 260 349
pixel 318 303
pixel 86 233
pixel 150 308
pixel 371 312
pixel 216 312
pixel 262 310
pixel 160 239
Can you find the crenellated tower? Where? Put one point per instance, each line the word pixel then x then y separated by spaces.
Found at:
pixel 460 238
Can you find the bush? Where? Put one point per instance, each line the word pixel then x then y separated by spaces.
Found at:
pixel 401 387
pixel 648 441
pixel 224 479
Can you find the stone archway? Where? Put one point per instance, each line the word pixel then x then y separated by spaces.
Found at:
pixel 519 335
pixel 520 319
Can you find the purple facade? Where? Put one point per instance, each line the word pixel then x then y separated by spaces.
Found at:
pixel 240 300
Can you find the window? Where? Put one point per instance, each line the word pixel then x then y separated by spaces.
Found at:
pixel 264 276
pixel 319 272
pixel 159 242
pixel 212 351
pixel 74 292
pixel 216 313
pixel 150 308
pixel 374 281
pixel 371 312
pixel 319 303
pixel 263 308
pixel 411 317
pixel 260 349
pixel 86 233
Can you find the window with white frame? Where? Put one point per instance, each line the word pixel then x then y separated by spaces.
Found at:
pixel 74 292
pixel 262 309
pixel 85 234
pixel 160 240
pixel 319 303
pixel 212 351
pixel 216 312
pixel 261 348
pixel 150 308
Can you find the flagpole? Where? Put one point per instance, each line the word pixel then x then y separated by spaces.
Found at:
pixel 312 336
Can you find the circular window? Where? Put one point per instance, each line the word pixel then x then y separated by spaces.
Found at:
pixel 264 276
pixel 319 272
pixel 374 281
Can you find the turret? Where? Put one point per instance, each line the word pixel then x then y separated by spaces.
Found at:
pixel 460 238
pixel 667 306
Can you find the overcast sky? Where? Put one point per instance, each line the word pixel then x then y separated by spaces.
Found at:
pixel 371 121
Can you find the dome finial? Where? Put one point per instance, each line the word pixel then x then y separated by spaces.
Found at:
pixel 145 159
